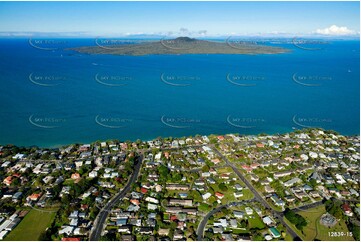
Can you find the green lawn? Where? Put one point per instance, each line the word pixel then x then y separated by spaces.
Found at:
pixel 224 170
pixel 323 231
pixel 32 226
pixel 247 194
pixel 256 222
pixel 240 231
pixel 314 230
pixel 204 207
pixel 312 217
pixel 170 193
pixel 229 194
pixel 298 232
pixel 288 237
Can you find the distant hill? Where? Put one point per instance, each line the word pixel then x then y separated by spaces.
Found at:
pixel 180 45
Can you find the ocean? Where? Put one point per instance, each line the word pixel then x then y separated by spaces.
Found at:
pixel 55 97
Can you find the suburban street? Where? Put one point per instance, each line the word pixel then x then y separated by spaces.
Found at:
pixel 258 197
pixel 203 223
pixel 100 221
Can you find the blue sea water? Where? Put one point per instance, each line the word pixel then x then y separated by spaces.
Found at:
pixel 54 97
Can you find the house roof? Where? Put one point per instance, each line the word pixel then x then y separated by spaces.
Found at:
pixel 8 180
pixel 34 196
pixel 75 176
pixel 218 194
pixel 135 201
pixel 346 207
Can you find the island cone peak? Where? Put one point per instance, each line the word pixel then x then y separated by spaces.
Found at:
pixel 185 39
pixel 179 45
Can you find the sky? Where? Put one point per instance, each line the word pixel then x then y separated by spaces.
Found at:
pixel 180 18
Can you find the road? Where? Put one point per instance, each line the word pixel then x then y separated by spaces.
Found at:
pixel 307 206
pixel 203 223
pixel 100 220
pixel 258 197
pixel 319 203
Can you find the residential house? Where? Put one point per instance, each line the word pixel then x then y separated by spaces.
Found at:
pixel 347 209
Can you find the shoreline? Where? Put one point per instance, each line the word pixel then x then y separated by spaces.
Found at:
pixel 179 137
pixel 179 46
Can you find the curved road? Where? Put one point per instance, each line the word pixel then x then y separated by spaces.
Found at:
pixel 100 221
pixel 258 197
pixel 203 223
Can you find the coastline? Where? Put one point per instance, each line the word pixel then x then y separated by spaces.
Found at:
pixel 180 46
pixel 57 146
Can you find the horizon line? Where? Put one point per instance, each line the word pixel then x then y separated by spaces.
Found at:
pixel 25 34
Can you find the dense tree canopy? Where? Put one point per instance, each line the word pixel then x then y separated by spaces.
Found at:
pixel 295 218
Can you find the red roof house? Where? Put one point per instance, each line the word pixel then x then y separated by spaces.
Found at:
pixel 219 195
pixel 143 190
pixel 75 176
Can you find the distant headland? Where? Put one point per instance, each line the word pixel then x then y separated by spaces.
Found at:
pixel 177 46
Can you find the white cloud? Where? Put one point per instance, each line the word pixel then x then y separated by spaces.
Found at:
pixel 202 32
pixel 335 30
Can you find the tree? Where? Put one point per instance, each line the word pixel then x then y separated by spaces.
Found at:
pixel 45 156
pixel 65 199
pixel 205 168
pixel 334 208
pixel 93 212
pixel 176 177
pixel 295 218
pixel 222 186
pixel 313 182
pixel 16 182
pixel 355 231
pixel 173 225
pixel 244 223
pixel 163 172
pixel 224 210
pixel 208 235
